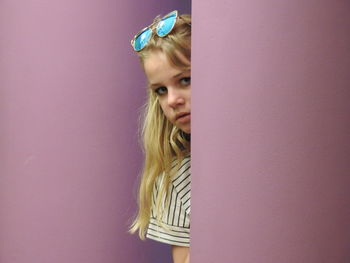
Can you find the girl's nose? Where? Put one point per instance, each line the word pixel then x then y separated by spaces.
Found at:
pixel 175 97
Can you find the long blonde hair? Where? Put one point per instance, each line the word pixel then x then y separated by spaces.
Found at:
pixel 162 142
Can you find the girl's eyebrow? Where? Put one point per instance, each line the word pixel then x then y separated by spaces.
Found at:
pixel 174 77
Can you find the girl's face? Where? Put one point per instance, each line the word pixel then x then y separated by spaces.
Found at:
pixel 173 88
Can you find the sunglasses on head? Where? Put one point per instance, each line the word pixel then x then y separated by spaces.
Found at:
pixel 162 29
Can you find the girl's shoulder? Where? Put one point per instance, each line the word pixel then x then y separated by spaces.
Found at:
pixel 183 173
pixel 186 159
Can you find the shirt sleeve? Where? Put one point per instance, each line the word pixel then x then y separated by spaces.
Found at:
pixel 175 224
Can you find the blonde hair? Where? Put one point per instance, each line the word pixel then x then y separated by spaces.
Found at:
pixel 163 143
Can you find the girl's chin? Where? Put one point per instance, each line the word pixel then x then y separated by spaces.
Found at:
pixel 188 131
pixel 186 128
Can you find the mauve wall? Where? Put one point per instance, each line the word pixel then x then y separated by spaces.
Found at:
pixel 70 93
pixel 270 131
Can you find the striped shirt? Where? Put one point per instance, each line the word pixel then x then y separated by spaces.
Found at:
pixel 176 217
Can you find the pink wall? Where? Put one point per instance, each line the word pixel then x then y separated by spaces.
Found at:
pixel 70 93
pixel 270 158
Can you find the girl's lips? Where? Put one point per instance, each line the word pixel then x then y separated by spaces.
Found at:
pixel 184 118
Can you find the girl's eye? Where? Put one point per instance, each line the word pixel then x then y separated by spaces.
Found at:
pixel 160 91
pixel 186 81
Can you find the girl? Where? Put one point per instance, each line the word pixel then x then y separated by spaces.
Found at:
pixel 164 50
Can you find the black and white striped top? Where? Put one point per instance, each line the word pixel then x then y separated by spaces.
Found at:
pixel 177 216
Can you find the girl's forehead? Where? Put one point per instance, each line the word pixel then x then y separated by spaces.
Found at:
pixel 158 64
pixel 156 60
pixel 159 70
pixel 159 58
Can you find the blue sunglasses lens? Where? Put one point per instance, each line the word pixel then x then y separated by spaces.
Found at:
pixel 166 25
pixel 142 39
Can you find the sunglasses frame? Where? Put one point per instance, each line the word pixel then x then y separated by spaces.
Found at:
pixel 151 27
